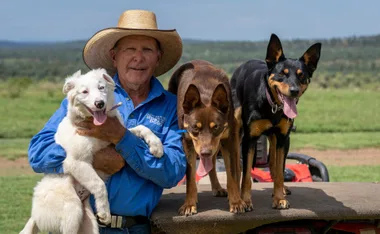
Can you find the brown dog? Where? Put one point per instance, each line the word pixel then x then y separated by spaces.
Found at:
pixel 205 111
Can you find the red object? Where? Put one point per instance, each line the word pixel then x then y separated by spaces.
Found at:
pixel 183 181
pixel 300 170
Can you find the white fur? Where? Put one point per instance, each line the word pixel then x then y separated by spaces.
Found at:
pixel 56 205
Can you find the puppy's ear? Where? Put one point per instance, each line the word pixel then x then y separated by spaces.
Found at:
pixel 192 99
pixel 220 99
pixel 311 57
pixel 274 51
pixel 69 84
pixel 77 74
pixel 109 79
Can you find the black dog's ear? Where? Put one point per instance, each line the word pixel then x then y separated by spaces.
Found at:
pixel 311 57
pixel 192 99
pixel 274 51
pixel 220 99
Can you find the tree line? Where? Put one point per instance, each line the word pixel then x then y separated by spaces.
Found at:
pixel 345 62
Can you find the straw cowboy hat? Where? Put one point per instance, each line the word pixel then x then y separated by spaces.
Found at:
pixel 96 53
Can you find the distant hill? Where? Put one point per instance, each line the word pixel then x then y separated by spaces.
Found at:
pixel 345 62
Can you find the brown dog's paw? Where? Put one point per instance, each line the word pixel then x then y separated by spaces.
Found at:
pixel 249 205
pixel 219 192
pixel 188 209
pixel 238 206
pixel 280 204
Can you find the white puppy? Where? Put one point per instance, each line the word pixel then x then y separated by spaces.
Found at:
pixel 60 203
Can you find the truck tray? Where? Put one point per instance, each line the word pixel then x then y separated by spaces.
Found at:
pixel 308 201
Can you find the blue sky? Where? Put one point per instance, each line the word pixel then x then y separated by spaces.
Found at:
pixel 252 20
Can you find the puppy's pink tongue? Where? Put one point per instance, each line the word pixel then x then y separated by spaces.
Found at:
pixel 205 166
pixel 290 107
pixel 99 117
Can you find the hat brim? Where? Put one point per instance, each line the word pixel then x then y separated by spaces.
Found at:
pixel 96 53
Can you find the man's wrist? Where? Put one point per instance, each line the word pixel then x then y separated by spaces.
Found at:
pixel 118 136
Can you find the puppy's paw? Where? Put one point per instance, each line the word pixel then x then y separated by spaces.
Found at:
pixel 104 217
pixel 155 145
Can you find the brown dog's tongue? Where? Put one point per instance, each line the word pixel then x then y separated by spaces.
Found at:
pixel 205 166
pixel 290 107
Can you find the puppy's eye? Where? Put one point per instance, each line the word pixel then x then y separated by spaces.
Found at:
pixel 281 74
pixel 301 75
pixel 101 87
pixel 85 91
pixel 216 128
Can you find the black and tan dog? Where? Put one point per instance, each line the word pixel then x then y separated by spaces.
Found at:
pixel 265 96
pixel 205 110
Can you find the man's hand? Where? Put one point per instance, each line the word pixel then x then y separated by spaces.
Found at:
pixel 108 160
pixel 111 131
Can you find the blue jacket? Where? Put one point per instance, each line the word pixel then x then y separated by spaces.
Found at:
pixel 136 188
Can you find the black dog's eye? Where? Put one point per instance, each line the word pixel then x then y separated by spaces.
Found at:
pixel 281 74
pixel 301 75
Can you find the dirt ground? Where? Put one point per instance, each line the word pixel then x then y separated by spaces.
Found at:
pixel 370 156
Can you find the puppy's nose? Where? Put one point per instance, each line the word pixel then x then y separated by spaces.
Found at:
pixel 206 153
pixel 294 91
pixel 99 104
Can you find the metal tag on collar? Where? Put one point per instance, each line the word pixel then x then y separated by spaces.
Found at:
pixel 276 108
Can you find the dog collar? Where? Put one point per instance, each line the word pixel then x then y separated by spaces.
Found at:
pixel 274 106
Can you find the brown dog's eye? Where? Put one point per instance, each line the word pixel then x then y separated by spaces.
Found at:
pixel 195 128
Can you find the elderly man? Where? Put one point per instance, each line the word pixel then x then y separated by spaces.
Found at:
pixel 134 52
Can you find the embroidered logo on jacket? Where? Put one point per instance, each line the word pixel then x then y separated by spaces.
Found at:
pixel 158 120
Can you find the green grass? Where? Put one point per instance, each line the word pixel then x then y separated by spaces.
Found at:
pixel 354 173
pixel 14 148
pixel 346 140
pixel 338 111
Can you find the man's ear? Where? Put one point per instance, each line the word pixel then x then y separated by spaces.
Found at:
pixel 113 56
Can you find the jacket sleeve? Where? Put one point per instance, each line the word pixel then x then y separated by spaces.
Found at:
pixel 45 156
pixel 166 171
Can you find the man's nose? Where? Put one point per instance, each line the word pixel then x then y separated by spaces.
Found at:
pixel 138 55
pixel 99 104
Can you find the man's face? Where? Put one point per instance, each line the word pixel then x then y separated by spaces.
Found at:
pixel 136 58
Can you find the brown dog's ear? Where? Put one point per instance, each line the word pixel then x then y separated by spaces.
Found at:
pixel 311 57
pixel 192 99
pixel 274 51
pixel 220 99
